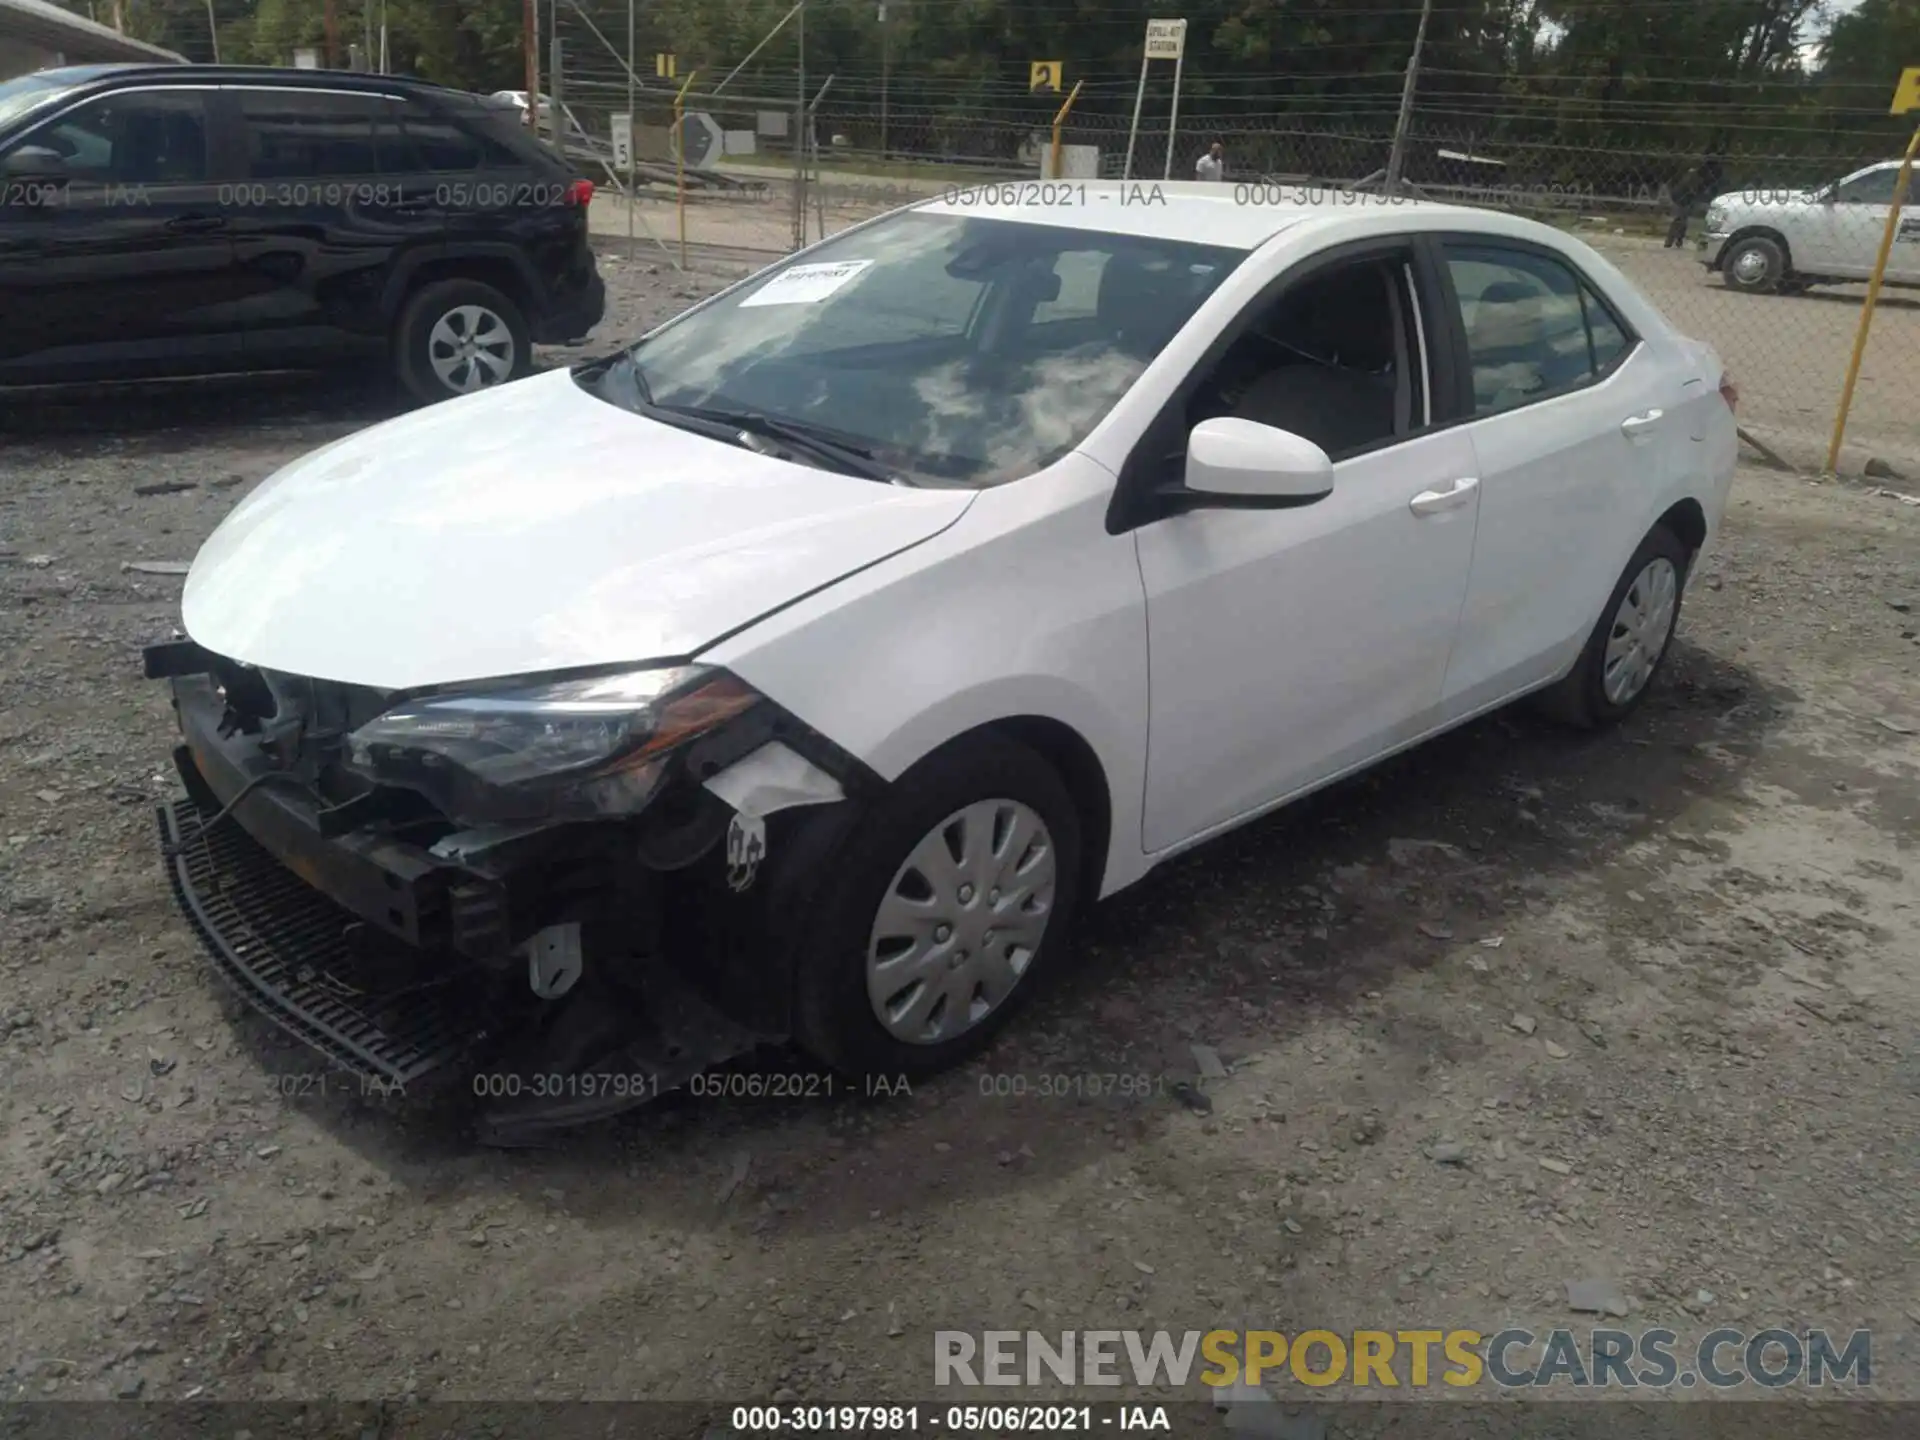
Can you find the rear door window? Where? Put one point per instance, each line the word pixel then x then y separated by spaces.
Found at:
pixel 1526 325
pixel 440 141
pixel 295 135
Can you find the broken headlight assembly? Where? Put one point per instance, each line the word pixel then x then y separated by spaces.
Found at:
pixel 581 749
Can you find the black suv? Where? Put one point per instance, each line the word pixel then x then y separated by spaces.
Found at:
pixel 171 220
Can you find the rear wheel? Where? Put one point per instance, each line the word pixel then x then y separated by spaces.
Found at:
pixel 458 336
pixel 1755 264
pixel 940 913
pixel 1628 646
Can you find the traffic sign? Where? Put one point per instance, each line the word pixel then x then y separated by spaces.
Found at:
pixel 1043 77
pixel 1906 95
pixel 699 141
pixel 665 66
pixel 1166 39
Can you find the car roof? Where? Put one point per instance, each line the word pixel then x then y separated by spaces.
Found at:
pixel 112 76
pixel 1232 216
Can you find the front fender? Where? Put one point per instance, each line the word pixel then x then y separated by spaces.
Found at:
pixel 1025 607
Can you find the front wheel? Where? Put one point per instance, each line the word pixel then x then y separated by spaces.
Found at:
pixel 1756 265
pixel 941 913
pixel 458 336
pixel 1628 646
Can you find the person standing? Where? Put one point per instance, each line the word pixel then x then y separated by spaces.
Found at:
pixel 1696 188
pixel 1213 164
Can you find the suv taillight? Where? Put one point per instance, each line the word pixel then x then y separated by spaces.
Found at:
pixel 1729 392
pixel 579 192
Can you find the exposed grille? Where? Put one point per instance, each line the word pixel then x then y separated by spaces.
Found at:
pixel 383 1011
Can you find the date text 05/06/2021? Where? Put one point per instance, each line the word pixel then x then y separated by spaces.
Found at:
pixel 995 1420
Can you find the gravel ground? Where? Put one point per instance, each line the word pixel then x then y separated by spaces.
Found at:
pixel 1516 1010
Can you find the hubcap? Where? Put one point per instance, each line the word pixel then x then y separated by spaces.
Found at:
pixel 961 921
pixel 1750 265
pixel 470 348
pixel 1641 627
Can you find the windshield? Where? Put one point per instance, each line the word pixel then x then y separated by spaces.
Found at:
pixel 954 350
pixel 29 92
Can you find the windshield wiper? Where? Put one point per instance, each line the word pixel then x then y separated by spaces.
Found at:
pixel 734 426
pixel 851 459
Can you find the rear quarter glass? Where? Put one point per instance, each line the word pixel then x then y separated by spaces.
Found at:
pixel 504 128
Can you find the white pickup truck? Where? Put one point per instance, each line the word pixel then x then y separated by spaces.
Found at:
pixel 1782 241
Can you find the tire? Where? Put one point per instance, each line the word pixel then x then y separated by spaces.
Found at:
pixel 837 1010
pixel 1584 698
pixel 1755 264
pixel 444 310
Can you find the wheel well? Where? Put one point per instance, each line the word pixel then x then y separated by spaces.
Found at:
pixel 501 274
pixel 1062 747
pixel 1688 522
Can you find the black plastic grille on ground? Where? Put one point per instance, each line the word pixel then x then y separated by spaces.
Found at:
pixel 375 1011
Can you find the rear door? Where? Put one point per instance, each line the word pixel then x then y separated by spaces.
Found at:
pixel 127 268
pixel 490 198
pixel 1575 420
pixel 331 202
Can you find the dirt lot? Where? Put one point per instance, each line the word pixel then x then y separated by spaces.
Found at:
pixel 1517 1010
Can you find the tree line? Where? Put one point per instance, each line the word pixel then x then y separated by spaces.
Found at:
pixel 1758 77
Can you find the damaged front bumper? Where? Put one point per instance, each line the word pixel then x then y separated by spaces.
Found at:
pixel 575 970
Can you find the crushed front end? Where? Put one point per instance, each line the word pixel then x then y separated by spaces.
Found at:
pixel 579 889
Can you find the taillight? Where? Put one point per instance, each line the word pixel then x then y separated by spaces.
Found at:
pixel 579 192
pixel 1730 392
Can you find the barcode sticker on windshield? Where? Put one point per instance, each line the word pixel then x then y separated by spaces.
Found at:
pixel 806 284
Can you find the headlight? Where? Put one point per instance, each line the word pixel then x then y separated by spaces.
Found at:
pixel 1716 216
pixel 570 750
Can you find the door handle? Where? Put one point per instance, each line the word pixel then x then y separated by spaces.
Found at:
pixel 195 223
pixel 1635 427
pixel 1433 502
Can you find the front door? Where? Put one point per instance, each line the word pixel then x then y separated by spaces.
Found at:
pixel 1845 234
pixel 130 271
pixel 1287 646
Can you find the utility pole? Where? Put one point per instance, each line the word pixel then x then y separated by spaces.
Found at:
pixel 530 19
pixel 366 15
pixel 1397 158
pixel 213 32
pixel 886 58
pixel 333 36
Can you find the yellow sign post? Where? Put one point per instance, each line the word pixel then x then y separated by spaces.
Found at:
pixel 680 163
pixel 1906 97
pixel 1044 77
pixel 1059 119
pixel 665 66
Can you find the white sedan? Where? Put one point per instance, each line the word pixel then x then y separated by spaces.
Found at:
pixel 821 653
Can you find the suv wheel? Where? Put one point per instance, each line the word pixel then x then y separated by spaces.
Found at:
pixel 1756 264
pixel 458 336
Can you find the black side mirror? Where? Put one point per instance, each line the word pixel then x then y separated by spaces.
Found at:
pixel 34 162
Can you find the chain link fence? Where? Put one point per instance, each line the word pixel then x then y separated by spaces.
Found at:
pixel 1763 255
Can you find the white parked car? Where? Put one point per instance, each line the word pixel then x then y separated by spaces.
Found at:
pixel 1769 241
pixel 801 670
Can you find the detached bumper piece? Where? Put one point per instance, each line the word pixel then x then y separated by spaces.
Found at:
pixel 376 1008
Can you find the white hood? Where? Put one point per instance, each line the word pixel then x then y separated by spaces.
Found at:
pixel 527 529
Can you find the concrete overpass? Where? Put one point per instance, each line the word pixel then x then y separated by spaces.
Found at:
pixel 35 35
